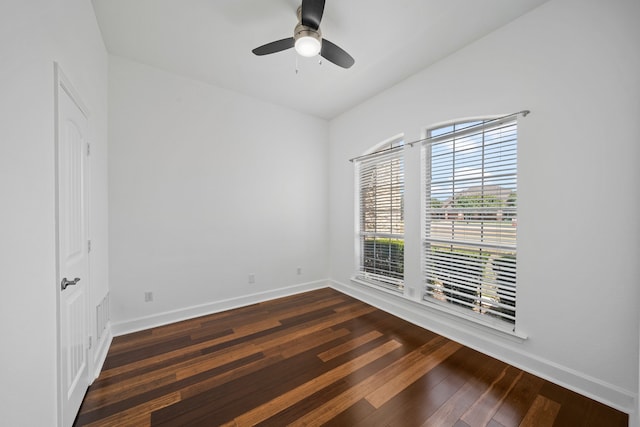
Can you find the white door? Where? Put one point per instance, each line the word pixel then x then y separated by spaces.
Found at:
pixel 73 251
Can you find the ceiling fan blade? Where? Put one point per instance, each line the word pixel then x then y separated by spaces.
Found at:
pixel 274 47
pixel 311 13
pixel 336 54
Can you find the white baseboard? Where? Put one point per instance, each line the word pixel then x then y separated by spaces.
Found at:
pixel 493 346
pixel 142 323
pixel 100 353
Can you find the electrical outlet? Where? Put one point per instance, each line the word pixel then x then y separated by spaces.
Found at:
pixel 148 296
pixel 299 271
pixel 252 278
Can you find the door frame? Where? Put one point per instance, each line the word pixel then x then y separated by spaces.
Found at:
pixel 62 83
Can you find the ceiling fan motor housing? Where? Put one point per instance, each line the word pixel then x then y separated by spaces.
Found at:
pixel 304 31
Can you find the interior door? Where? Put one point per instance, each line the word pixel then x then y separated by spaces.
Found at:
pixel 73 251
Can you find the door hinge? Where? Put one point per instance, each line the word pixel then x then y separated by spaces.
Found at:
pixel 90 342
pixel 88 245
pixel 88 149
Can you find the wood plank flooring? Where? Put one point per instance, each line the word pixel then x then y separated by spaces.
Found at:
pixel 319 358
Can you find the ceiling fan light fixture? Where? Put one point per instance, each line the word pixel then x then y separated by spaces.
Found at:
pixel 308 46
pixel 307 39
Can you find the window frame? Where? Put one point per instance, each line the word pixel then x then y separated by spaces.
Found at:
pixel 389 151
pixel 430 260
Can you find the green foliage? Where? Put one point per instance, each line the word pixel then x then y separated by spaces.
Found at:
pixel 436 203
pixel 478 201
pixel 384 255
pixel 512 201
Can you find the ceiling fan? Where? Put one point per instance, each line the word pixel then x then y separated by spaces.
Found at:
pixel 307 38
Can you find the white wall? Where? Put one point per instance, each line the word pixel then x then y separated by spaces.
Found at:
pixel 33 35
pixel 575 65
pixel 209 186
pixel 206 187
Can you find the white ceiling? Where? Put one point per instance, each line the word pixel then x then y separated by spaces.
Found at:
pixel 211 41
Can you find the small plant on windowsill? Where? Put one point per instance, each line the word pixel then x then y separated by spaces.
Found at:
pixel 504 268
pixel 458 287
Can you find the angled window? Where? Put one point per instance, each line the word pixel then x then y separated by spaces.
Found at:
pixel 380 194
pixel 470 223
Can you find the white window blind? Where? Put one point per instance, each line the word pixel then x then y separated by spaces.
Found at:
pixel 471 217
pixel 381 217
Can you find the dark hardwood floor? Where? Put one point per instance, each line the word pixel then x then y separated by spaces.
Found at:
pixel 319 358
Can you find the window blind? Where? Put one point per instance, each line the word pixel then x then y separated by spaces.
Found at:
pixel 470 222
pixel 381 217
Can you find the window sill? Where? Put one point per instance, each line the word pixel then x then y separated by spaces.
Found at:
pixel 461 319
pixel 378 286
pixel 476 320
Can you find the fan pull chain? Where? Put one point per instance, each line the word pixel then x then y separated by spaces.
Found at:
pixel 296 64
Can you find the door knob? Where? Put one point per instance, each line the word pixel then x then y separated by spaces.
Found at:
pixel 65 282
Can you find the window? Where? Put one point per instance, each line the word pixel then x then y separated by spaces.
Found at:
pixel 470 172
pixel 380 188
